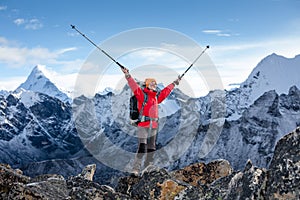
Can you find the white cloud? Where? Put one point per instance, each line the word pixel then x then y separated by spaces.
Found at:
pixel 220 33
pixel 72 34
pixel 11 83
pixel 65 82
pixel 14 55
pixel 18 56
pixel 288 47
pixel 153 56
pixel 224 34
pixel 31 24
pixel 3 8
pixel 61 51
pixel 213 31
pixel 3 41
pixel 19 21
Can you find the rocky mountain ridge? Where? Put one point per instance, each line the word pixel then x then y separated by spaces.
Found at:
pixel 215 180
pixel 41 134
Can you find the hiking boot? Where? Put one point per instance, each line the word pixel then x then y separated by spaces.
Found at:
pixel 149 169
pixel 149 158
pixel 135 172
pixel 136 166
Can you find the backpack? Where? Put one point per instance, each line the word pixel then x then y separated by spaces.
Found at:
pixel 134 111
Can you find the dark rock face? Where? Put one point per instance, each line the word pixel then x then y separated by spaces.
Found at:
pixel 41 131
pixel 215 180
pixel 16 121
pixel 14 185
pixel 284 174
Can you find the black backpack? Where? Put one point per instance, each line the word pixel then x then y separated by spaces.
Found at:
pixel 134 111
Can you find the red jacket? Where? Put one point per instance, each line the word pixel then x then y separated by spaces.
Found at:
pixel 151 106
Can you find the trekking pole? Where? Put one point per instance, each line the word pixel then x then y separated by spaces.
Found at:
pixel 180 76
pixel 73 27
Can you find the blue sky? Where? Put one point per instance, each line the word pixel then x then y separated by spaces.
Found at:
pixel 240 33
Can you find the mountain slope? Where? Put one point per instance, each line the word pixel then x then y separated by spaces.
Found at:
pixel 38 131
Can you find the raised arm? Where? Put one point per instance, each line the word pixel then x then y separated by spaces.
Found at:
pixel 167 90
pixel 136 89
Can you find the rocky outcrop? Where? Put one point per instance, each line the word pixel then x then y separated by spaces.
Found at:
pixel 14 185
pixel 215 180
pixel 202 174
pixel 283 180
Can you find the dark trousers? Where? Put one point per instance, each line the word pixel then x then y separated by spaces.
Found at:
pixel 147 146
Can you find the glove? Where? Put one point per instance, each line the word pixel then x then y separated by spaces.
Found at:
pixel 126 72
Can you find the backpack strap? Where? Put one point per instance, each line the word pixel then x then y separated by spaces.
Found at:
pixel 143 118
pixel 143 105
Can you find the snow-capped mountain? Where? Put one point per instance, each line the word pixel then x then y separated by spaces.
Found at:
pixel 38 82
pixel 274 72
pixel 36 128
pixel 41 131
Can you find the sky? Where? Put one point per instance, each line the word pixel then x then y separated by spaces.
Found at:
pixel 240 34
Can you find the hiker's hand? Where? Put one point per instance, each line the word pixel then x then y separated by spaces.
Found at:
pixel 176 82
pixel 126 72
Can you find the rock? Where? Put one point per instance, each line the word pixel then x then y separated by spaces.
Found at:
pixel 88 172
pixel 50 189
pixel 200 173
pixel 169 189
pixel 9 177
pixel 148 184
pixel 247 184
pixel 219 188
pixel 14 185
pixel 217 180
pixel 284 171
pixel 126 183
pixel 214 180
pixel 80 188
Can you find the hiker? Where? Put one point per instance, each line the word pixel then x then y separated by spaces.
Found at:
pixel 148 125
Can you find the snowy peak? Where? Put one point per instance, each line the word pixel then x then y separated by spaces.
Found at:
pixel 37 72
pixel 38 82
pixel 274 72
pixel 277 62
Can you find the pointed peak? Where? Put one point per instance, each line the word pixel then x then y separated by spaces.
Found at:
pixel 38 70
pixel 38 81
pixel 274 55
pixel 39 67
